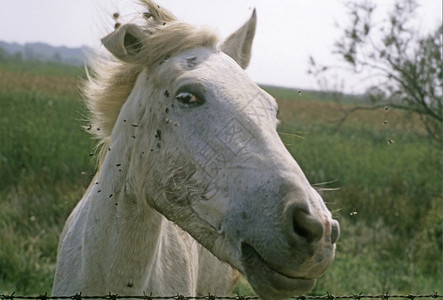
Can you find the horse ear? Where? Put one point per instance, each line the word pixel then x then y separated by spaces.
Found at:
pixel 125 42
pixel 238 45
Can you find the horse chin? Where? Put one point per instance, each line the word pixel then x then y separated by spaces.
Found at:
pixel 269 283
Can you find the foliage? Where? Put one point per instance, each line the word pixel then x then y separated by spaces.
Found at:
pixel 407 67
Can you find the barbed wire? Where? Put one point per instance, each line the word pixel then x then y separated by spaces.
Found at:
pixel 328 296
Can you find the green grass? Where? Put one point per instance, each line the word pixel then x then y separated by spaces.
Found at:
pixel 41 68
pixel 44 168
pixel 38 138
pixel 388 197
pixel 31 219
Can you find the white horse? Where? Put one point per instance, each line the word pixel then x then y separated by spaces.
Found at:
pixel 194 181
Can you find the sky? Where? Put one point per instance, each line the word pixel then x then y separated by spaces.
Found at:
pixel 288 31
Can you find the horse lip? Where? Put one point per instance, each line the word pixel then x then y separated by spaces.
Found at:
pixel 260 273
pixel 248 250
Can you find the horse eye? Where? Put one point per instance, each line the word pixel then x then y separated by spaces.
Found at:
pixel 188 99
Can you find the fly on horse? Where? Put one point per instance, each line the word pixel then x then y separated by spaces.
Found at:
pixel 194 185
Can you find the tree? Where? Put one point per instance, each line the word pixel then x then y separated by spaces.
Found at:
pixel 407 67
pixel 3 54
pixel 57 57
pixel 29 53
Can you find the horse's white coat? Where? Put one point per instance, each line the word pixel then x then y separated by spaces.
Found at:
pixel 181 183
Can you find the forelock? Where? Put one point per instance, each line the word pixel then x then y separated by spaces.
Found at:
pixel 166 36
pixel 173 38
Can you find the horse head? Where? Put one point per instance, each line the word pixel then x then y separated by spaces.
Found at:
pixel 206 154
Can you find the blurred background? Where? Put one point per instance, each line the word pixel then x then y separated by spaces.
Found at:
pixel 359 88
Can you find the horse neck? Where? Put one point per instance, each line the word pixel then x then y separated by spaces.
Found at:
pixel 124 232
pixel 130 239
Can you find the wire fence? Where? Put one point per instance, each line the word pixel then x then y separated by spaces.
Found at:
pixel 385 296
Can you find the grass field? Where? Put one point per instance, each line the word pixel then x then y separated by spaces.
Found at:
pixel 386 195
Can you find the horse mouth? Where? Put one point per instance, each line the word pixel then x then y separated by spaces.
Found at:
pixel 268 282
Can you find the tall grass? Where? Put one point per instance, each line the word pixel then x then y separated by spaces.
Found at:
pixel 44 167
pixel 388 199
pixel 36 137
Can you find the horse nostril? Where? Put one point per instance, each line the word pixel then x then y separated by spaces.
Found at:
pixel 306 225
pixel 335 231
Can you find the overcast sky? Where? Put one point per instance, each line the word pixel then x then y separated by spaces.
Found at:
pixel 288 31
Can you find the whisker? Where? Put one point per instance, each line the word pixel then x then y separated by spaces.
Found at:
pixel 327 189
pixel 292 134
pixel 324 183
